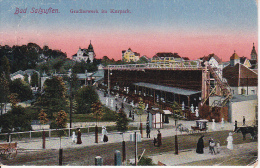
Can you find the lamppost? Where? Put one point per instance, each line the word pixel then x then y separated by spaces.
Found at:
pixel 70 80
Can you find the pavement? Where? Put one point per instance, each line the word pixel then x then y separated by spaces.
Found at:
pixel 188 156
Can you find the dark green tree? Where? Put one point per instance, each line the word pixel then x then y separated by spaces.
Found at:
pixel 4 90
pixel 6 67
pixel 16 118
pixel 34 79
pixel 22 89
pixel 53 98
pixel 121 121
pixel 85 97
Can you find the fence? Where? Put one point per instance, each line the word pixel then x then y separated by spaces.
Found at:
pixel 28 135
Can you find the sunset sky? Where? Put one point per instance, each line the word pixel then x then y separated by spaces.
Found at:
pixel 192 28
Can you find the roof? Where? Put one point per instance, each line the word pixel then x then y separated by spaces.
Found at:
pixel 207 58
pixel 169 89
pixel 240 75
pixel 240 98
pixel 242 59
pixel 168 54
pixel 234 56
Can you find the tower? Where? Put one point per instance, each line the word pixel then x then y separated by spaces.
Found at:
pixel 91 52
pixel 253 53
pixel 234 59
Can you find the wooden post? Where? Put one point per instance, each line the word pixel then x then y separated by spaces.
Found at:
pixel 43 139
pixel 60 157
pixel 96 134
pixel 135 149
pixel 176 145
pixel 124 151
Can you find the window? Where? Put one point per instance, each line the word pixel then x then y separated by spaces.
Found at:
pixel 253 92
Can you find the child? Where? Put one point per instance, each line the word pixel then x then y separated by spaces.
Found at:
pixel 218 147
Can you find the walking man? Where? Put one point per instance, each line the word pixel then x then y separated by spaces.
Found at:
pixel 147 130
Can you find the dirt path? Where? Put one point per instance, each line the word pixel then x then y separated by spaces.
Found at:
pixel 86 156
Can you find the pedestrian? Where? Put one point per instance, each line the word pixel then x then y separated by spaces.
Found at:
pixel 218 147
pixel 148 130
pixel 133 117
pixel 212 146
pixel 200 145
pixel 130 115
pixel 159 138
pixel 73 137
pixel 154 141
pixel 230 141
pixel 244 120
pixel 116 107
pixel 122 105
pixel 104 137
pixel 79 137
pixel 235 125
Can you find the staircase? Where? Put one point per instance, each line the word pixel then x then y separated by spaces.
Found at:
pixel 225 88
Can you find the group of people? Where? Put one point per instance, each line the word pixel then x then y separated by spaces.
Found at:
pixel 213 145
pixel 104 137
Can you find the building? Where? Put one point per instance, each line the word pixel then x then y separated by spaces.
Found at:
pixel 85 54
pixel 166 57
pixel 21 74
pixel 241 79
pixel 129 55
pixel 242 105
pixel 234 59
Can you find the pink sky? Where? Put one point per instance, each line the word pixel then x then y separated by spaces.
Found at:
pixel 111 45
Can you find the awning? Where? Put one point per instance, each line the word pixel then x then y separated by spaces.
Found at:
pixel 167 89
pixel 167 112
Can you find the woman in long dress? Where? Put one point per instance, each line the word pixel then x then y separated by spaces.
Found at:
pixel 230 141
pixel 200 145
pixel 104 134
pixel 79 137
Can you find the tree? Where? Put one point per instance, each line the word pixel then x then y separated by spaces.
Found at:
pixel 6 67
pixel 53 98
pixel 35 79
pixel 22 89
pixel 85 97
pixel 61 119
pixel 13 99
pixel 17 119
pixel 43 117
pixel 4 90
pixel 140 108
pixel 97 110
pixel 176 109
pixel 121 121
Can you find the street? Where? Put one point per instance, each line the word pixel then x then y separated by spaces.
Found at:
pixel 85 156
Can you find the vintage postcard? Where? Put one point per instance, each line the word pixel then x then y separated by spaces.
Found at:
pixel 129 82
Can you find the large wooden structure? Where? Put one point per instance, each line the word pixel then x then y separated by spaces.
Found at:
pixel 185 82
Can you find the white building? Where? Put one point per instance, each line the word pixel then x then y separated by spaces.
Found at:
pixel 85 54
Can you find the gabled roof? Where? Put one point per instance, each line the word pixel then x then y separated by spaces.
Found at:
pixel 207 58
pixel 240 75
pixel 243 59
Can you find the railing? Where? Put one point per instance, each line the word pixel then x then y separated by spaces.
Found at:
pixel 48 133
pixel 166 65
pixel 223 85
